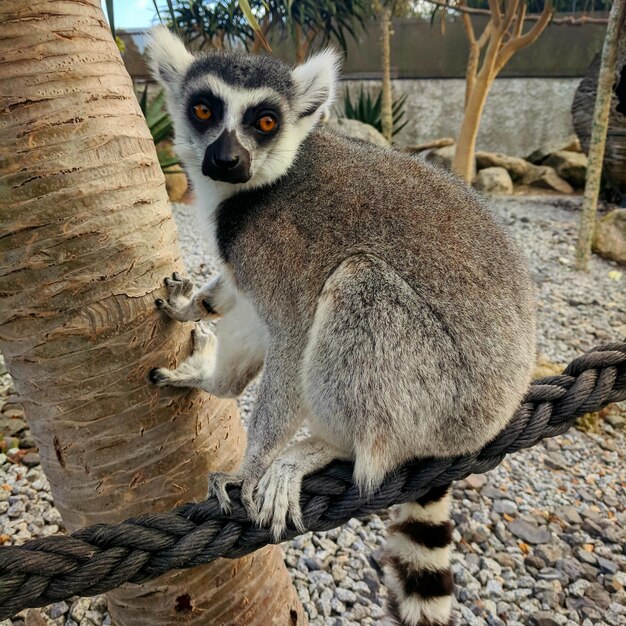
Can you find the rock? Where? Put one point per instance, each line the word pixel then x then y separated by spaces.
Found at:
pixel 609 239
pixel 554 460
pixel 586 557
pixel 27 442
pixel 549 553
pixel 598 595
pixel 57 609
pixel 504 506
pixel 612 534
pixel 494 588
pixel 544 177
pixel 345 538
pixel 533 560
pixel 593 528
pixel 550 573
pixel 491 492
pixel 346 596
pixel 36 617
pixel 544 618
pixel 476 481
pixel 569 514
pixel 357 130
pixel 616 421
pixel 570 144
pixel 515 166
pixel 494 180
pixel 12 426
pixel 31 459
pixel 530 533
pixel 13 411
pixel 506 560
pixel 430 145
pixel 579 587
pixel 80 608
pixel 606 566
pixel 442 156
pixel 17 509
pixel 574 570
pixel 571 166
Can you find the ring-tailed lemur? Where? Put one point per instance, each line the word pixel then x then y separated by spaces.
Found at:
pixel 385 305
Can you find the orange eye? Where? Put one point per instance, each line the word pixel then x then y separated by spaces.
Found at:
pixel 202 112
pixel 266 124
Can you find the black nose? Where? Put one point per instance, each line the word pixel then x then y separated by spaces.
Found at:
pixel 226 162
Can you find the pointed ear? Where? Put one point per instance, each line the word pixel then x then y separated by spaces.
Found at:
pixel 168 57
pixel 316 81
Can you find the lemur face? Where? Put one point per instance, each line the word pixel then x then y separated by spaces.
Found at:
pixel 239 119
pixel 236 125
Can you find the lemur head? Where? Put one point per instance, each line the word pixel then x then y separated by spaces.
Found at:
pixel 239 119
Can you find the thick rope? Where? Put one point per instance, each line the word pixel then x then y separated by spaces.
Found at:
pixel 102 557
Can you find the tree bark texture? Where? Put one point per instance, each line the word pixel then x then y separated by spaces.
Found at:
pixel 86 238
pixel 614 164
pixel 386 111
pixel 606 80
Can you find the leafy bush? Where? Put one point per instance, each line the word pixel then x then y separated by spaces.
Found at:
pixel 160 125
pixel 367 109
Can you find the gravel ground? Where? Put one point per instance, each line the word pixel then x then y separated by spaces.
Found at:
pixel 540 540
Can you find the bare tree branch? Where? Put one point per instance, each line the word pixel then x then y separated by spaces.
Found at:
pixel 509 15
pixel 519 24
pixel 568 20
pixel 482 40
pixel 469 27
pixel 522 41
pixel 496 13
pixel 532 35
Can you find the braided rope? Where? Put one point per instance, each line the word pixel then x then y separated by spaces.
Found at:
pixel 102 557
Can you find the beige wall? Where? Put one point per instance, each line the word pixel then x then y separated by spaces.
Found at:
pixel 419 50
pixel 521 113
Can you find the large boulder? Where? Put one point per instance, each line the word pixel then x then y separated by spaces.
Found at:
pixel 442 156
pixel 357 130
pixel 609 238
pixel 571 144
pixel 572 166
pixel 515 166
pixel 544 177
pixel 494 180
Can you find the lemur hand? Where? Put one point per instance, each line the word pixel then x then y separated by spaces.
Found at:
pixel 181 304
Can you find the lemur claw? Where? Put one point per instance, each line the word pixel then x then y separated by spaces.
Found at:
pixel 219 481
pixel 278 494
pixel 158 376
pixel 179 292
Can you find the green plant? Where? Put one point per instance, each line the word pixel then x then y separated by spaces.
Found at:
pixel 214 23
pixel 367 109
pixel 160 125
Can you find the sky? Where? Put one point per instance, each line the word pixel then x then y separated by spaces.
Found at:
pixel 133 13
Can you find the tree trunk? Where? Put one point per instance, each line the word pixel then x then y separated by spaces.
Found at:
pixel 464 157
pixel 504 36
pixel 386 111
pixel 85 241
pixel 606 79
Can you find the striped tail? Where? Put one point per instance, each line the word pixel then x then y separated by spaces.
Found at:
pixel 417 562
